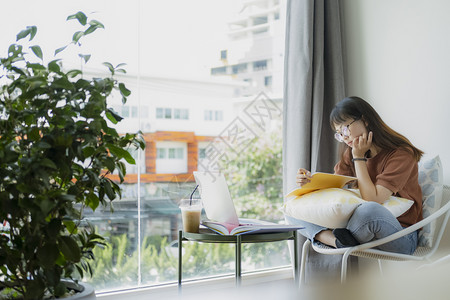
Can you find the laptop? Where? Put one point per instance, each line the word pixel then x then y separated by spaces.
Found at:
pixel 216 197
pixel 219 208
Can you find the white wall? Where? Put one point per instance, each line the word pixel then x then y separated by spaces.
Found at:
pixel 398 59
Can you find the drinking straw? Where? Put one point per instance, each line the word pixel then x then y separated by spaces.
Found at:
pixel 190 199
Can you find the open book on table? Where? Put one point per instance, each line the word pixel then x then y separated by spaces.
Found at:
pixel 248 226
pixel 322 181
pixel 220 210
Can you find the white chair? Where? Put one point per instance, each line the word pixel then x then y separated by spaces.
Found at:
pixel 366 250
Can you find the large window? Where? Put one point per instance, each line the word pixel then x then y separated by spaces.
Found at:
pixel 189 119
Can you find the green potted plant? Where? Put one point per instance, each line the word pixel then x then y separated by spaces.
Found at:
pixel 57 148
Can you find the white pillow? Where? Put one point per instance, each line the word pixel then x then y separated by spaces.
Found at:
pixel 333 207
pixel 396 205
pixel 431 182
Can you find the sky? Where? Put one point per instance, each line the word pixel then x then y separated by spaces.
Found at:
pixel 172 37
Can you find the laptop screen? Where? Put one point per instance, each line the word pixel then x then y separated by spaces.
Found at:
pixel 216 197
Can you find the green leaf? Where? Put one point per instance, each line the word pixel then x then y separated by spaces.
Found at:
pixel 121 153
pixel 46 206
pixel 92 201
pixel 54 66
pixel 63 83
pixel 33 31
pixel 88 151
pixel 30 30
pixel 36 66
pixel 70 226
pixel 85 57
pixel 94 26
pixel 123 90
pixel 80 16
pixel 22 34
pixel 54 228
pixel 110 67
pixel 48 254
pixel 109 190
pixel 60 49
pixel 37 51
pixel 43 145
pixel 77 36
pixel 69 248
pixel 36 288
pixel 34 134
pixel 68 197
pixel 110 164
pixel 12 48
pixel 96 23
pixel 109 130
pixel 48 163
pixel 35 82
pixel 60 290
pixel 122 170
pixel 74 73
pixel 113 116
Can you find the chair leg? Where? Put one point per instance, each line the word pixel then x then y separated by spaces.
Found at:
pixel 305 252
pixel 344 266
pixel 380 267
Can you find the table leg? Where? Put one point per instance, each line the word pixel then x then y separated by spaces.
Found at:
pixel 296 271
pixel 180 258
pixel 238 261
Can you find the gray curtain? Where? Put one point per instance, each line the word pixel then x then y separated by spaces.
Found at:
pixel 314 83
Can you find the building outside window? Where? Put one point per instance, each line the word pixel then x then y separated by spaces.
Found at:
pixel 167 113
pixel 125 111
pixel 260 65
pixel 176 153
pixel 268 81
pixel 239 68
pixel 219 71
pixel 159 113
pixel 259 20
pixel 142 231
pixel 161 153
pixel 181 114
pixel 134 111
pixel 213 115
pixel 218 115
pixel 201 153
pixel 223 54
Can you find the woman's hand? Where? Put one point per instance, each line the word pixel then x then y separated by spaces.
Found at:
pixel 361 145
pixel 303 177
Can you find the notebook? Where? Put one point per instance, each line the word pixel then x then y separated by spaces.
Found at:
pixel 221 212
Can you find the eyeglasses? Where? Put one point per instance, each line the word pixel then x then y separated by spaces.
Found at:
pixel 344 132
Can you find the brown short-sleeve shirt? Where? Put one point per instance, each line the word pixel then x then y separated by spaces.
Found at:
pixel 396 170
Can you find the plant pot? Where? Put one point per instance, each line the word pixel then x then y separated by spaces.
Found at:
pixel 84 291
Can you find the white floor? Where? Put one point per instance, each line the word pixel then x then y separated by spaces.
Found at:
pixel 398 281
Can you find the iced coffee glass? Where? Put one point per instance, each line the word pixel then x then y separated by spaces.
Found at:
pixel 191 210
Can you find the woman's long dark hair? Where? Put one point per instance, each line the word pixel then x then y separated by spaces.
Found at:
pixel 383 136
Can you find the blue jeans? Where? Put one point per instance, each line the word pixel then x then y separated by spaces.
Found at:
pixel 370 221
